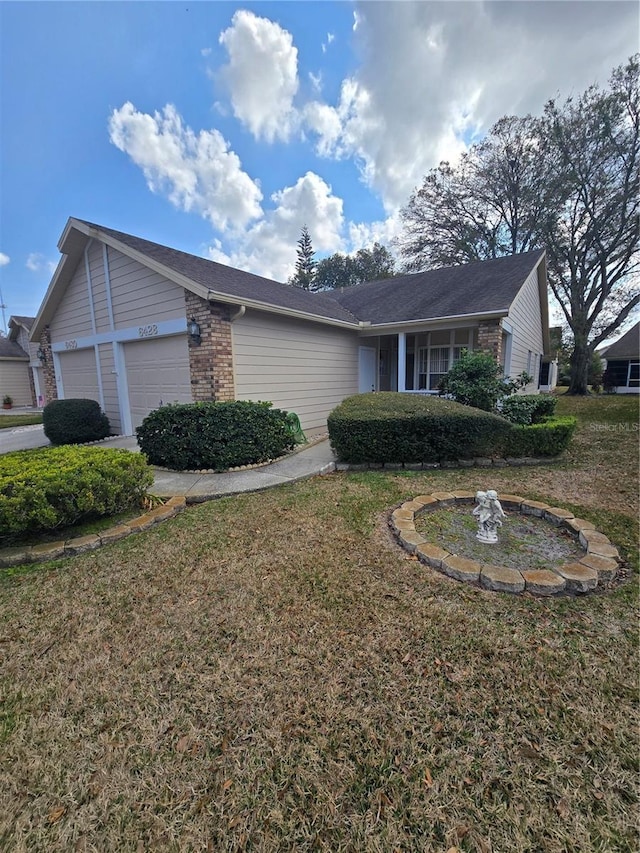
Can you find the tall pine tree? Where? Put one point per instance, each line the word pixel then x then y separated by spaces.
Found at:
pixel 305 264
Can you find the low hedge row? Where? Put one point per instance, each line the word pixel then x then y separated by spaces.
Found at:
pixel 547 438
pixel 74 421
pixel 186 436
pixel 393 428
pixel 41 490
pixel 528 408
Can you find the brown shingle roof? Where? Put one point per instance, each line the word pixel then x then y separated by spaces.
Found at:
pixel 481 287
pixel 10 349
pixel 627 347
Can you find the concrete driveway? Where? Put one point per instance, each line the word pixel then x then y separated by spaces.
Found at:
pixel 22 438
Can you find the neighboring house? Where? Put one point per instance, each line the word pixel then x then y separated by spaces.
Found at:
pixel 622 360
pixel 19 363
pixel 114 326
pixel 19 331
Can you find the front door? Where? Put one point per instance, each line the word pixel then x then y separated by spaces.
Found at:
pixel 368 362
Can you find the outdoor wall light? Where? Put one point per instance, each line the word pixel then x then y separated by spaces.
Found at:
pixel 42 355
pixel 194 332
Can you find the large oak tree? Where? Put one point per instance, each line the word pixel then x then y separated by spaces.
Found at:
pixel 566 181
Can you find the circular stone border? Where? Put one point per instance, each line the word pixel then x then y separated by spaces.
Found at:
pixel 598 566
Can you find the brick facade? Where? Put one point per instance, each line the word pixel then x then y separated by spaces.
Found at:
pixel 490 338
pixel 50 388
pixel 211 362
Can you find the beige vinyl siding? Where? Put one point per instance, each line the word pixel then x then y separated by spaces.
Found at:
pixel 72 318
pixel 109 388
pixel 526 320
pixel 141 296
pixel 98 287
pixel 302 367
pixel 14 381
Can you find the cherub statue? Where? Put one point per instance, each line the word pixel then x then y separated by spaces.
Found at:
pixel 490 514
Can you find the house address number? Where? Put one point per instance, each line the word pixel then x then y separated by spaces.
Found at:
pixel 71 344
pixel 147 331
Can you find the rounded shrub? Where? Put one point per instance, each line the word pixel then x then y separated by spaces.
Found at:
pixel 392 427
pixel 74 421
pixel 187 436
pixel 41 490
pixel 528 408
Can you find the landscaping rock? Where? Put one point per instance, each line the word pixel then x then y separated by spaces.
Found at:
pixel 543 582
pixel 465 463
pixel 502 579
pixel 47 551
pixel 556 515
pixel 410 540
pixel 402 514
pixel 432 555
pixel 114 533
pixel 605 567
pixel 15 557
pixel 586 536
pixel 603 549
pixel 412 506
pixel 511 501
pixel 500 463
pixel 425 500
pixel 579 578
pixel 464 497
pixel 578 524
pixel 402 524
pixel 461 569
pixel 143 523
pixel 482 462
pixel 536 508
pixel 81 544
pixel 444 497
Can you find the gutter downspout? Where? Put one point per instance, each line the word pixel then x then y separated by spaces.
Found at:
pixel 238 314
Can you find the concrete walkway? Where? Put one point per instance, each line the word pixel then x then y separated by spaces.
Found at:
pixel 309 461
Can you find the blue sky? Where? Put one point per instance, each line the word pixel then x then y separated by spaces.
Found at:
pixel 222 128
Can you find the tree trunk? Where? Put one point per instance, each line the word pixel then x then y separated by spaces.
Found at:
pixel 579 366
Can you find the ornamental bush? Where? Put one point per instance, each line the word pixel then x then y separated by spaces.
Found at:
pixel 477 380
pixel 74 421
pixel 392 427
pixel 186 436
pixel 41 490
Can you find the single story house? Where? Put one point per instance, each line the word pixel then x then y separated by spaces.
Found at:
pixel 19 364
pixel 135 325
pixel 622 361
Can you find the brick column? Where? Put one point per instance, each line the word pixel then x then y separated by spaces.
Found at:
pixel 50 389
pixel 210 363
pixel 490 338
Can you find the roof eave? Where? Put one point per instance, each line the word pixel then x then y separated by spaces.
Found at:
pixel 411 324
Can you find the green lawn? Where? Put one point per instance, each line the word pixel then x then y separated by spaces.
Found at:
pixel 271 672
pixel 12 421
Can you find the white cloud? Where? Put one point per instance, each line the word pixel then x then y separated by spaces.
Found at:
pixel 262 75
pixel 316 80
pixel 38 263
pixel 269 247
pixel 197 172
pixel 451 70
pixel 206 51
pixel 330 39
pixel 4 259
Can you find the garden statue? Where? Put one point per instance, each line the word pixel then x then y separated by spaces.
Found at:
pixel 489 514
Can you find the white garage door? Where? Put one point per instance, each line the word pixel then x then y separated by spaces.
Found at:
pixel 79 374
pixel 157 374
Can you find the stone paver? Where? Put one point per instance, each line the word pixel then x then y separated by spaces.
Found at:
pixel 432 555
pixel 47 551
pixel 443 497
pixel 579 578
pixel 461 568
pixel 464 497
pixel 605 566
pixel 402 513
pixel 556 515
pixel 602 549
pixel 425 500
pixel 500 579
pixel 112 534
pixel 578 524
pixel 543 582
pixel 536 508
pixel 410 540
pixel 511 501
pixel 587 536
pixel 81 544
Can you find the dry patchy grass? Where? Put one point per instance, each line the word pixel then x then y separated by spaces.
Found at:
pixel 270 672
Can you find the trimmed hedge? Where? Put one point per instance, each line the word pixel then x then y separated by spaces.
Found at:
pixel 548 438
pixel 392 427
pixel 528 408
pixel 187 436
pixel 74 421
pixel 55 487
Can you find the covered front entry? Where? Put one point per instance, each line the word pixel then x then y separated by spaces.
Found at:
pixel 157 374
